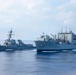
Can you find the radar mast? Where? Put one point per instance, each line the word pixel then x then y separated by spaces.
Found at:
pixel 10 34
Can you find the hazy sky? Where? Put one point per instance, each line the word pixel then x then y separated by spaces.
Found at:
pixel 30 18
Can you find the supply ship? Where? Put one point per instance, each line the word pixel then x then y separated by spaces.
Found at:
pixel 61 41
pixel 12 44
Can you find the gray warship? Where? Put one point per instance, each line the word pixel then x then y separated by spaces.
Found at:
pixel 59 42
pixel 12 44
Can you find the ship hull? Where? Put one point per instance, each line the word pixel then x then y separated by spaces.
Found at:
pixel 9 48
pixel 52 46
pixel 2 48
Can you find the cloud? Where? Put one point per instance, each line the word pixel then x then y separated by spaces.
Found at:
pixel 36 15
pixel 65 17
pixel 12 9
pixel 73 2
pixel 66 12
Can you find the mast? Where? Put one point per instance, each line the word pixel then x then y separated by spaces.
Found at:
pixel 10 34
pixel 66 29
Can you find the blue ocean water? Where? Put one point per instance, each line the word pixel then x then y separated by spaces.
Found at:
pixel 29 62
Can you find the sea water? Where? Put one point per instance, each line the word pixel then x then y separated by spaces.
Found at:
pixel 29 62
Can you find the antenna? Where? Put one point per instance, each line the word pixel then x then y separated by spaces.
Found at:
pixel 66 29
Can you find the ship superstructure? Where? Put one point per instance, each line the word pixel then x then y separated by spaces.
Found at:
pixel 10 41
pixel 59 42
